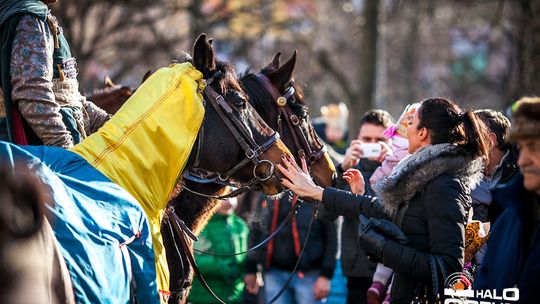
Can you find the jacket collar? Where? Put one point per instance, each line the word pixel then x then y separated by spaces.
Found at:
pixel 413 173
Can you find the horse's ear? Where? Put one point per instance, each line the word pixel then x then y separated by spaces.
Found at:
pixel 275 61
pixel 108 82
pixel 125 91
pixel 283 74
pixel 203 54
pixel 146 75
pixel 274 64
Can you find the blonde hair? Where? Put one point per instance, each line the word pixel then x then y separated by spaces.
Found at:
pixel 336 114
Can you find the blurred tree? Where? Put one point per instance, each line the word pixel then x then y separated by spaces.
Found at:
pixel 366 53
pixel 527 36
pixel 117 36
pixel 359 92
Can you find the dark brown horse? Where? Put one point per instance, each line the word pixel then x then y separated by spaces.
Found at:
pixel 113 96
pixel 280 102
pixel 195 210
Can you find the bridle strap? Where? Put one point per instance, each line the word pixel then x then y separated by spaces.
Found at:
pixel 244 138
pixel 300 139
pixel 241 190
pixel 225 111
pixel 291 275
pixel 293 272
pixel 272 90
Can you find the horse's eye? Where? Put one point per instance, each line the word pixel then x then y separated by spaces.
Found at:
pixel 236 99
pixel 240 103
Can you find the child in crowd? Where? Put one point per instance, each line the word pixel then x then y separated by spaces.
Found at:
pixel 398 135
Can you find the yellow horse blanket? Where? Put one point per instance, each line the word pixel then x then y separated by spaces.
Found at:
pixel 145 145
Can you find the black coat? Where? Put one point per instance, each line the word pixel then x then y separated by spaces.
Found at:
pixel 320 252
pixel 354 261
pixel 429 199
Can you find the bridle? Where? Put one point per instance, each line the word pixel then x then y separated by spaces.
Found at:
pixel 252 151
pixel 305 151
pixel 243 137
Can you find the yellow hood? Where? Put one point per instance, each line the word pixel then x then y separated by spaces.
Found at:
pixel 145 145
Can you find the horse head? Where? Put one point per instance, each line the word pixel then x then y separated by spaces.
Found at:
pixel 280 101
pixel 111 97
pixel 234 141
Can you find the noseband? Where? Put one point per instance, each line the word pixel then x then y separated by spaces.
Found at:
pixel 301 142
pixel 244 138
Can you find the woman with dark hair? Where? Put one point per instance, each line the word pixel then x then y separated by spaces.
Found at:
pixel 417 221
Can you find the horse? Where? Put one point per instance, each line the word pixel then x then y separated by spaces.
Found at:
pixel 112 96
pixel 93 180
pixel 194 207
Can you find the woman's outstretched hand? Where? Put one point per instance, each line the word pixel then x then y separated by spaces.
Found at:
pixel 298 179
pixel 355 180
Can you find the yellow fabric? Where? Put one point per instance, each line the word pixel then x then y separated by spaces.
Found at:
pixel 145 145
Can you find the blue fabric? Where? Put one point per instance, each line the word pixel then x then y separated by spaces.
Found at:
pixel 510 258
pixel 504 254
pixel 91 218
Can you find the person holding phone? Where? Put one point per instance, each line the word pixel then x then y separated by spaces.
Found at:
pixel 417 221
pixel 354 262
pixel 370 135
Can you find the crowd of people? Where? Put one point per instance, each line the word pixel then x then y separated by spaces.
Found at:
pixel 450 191
pixel 440 191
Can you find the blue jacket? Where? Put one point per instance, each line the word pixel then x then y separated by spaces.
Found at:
pixel 513 255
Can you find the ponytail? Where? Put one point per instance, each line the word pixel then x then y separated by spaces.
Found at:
pixel 446 123
pixel 475 135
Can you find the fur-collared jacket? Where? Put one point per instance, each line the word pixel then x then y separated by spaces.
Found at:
pixel 428 196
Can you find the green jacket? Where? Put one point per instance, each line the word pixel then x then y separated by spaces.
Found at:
pixel 224 234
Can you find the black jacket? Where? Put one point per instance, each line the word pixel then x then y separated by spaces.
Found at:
pixel 320 252
pixel 428 196
pixel 354 261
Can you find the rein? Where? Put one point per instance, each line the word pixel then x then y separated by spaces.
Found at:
pixel 182 230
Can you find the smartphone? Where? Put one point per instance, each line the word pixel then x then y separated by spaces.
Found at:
pixel 371 150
